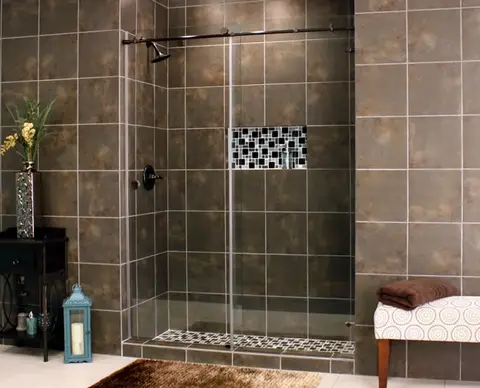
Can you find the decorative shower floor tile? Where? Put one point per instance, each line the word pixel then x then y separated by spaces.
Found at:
pixel 259 342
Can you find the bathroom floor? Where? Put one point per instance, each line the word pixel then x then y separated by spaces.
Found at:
pixel 25 367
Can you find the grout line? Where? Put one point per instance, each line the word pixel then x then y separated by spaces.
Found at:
pixel 136 167
pixel 120 204
pixel 156 187
pixel 167 185
pixel 264 42
pixel 351 182
pixel 307 184
pixel 185 120
pixel 79 259
pixel 407 111
pixel 462 162
pixel 126 220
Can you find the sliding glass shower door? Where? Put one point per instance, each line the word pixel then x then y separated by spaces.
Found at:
pixel 290 191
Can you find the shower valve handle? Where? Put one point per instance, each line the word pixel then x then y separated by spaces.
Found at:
pixel 149 177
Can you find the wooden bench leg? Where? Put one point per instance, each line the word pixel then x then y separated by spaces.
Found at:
pixel 383 362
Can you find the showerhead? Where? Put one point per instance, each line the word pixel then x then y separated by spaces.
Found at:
pixel 160 56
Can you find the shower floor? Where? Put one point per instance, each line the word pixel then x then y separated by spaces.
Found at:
pixel 339 348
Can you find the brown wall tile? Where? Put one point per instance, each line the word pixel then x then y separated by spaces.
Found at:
pixel 285 62
pixel 98 100
pixel 59 191
pixel 434 35
pixel 381 196
pixel 470 88
pixel 22 59
pixel 93 187
pixel 445 364
pixel 471 195
pixel 389 256
pixel 58 150
pixel 471 250
pixel 470 23
pixel 435 195
pixel 19 18
pixel 328 103
pixel 58 56
pixel 285 104
pixel 205 66
pixel 381 143
pixel 58 16
pixel 372 47
pixel 336 68
pixel 97 238
pixel 434 249
pixel 99 54
pixel 95 16
pixel 435 142
pixel 379 5
pixel 389 100
pixel 434 89
pixel 97 155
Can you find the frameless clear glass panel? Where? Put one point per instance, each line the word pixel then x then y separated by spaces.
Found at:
pixel 292 199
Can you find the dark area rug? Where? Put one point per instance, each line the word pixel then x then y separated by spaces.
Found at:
pixel 169 374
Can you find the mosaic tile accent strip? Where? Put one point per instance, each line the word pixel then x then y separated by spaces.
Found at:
pixel 259 342
pixel 269 148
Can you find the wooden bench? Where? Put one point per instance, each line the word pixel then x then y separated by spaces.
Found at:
pixel 452 319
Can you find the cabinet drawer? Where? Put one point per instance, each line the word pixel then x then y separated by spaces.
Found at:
pixel 15 258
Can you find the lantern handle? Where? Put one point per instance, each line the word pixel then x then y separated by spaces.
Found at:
pixel 76 288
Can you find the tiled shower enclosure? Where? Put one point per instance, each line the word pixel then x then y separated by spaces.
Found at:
pixel 246 256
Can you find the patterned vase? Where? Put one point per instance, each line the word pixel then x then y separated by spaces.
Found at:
pixel 28 201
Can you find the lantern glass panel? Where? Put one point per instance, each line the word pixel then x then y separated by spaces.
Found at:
pixel 77 332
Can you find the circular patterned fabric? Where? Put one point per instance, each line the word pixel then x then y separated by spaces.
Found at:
pixel 401 317
pixel 453 319
pixel 449 315
pixel 461 334
pixel 437 333
pixel 415 333
pixel 425 315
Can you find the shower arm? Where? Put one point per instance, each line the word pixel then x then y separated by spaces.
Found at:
pixel 229 34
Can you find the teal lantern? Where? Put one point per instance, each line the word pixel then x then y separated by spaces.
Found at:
pixel 77 321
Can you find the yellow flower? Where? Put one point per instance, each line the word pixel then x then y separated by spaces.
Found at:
pixel 8 143
pixel 28 132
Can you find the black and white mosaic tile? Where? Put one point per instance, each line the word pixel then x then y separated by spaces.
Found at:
pixel 269 148
pixel 259 342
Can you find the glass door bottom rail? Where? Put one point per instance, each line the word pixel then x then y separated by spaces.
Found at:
pixel 346 348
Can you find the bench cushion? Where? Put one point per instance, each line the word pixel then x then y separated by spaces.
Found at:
pixel 452 319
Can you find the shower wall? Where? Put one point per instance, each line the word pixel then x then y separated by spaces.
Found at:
pixel 418 203
pixel 106 124
pixel 293 251
pixel 69 49
pixel 145 108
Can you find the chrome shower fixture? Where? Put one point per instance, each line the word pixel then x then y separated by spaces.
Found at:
pixel 160 56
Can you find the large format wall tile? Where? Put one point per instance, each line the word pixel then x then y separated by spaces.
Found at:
pixel 434 35
pixel 375 48
pixel 390 99
pixel 20 18
pixel 58 56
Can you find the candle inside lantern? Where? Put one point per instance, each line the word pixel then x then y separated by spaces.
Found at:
pixel 77 339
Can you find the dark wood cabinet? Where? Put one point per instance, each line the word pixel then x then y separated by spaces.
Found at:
pixel 33 277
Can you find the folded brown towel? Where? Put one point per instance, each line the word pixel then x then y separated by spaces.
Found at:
pixel 409 294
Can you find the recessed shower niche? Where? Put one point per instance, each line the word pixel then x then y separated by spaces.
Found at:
pixel 272 148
